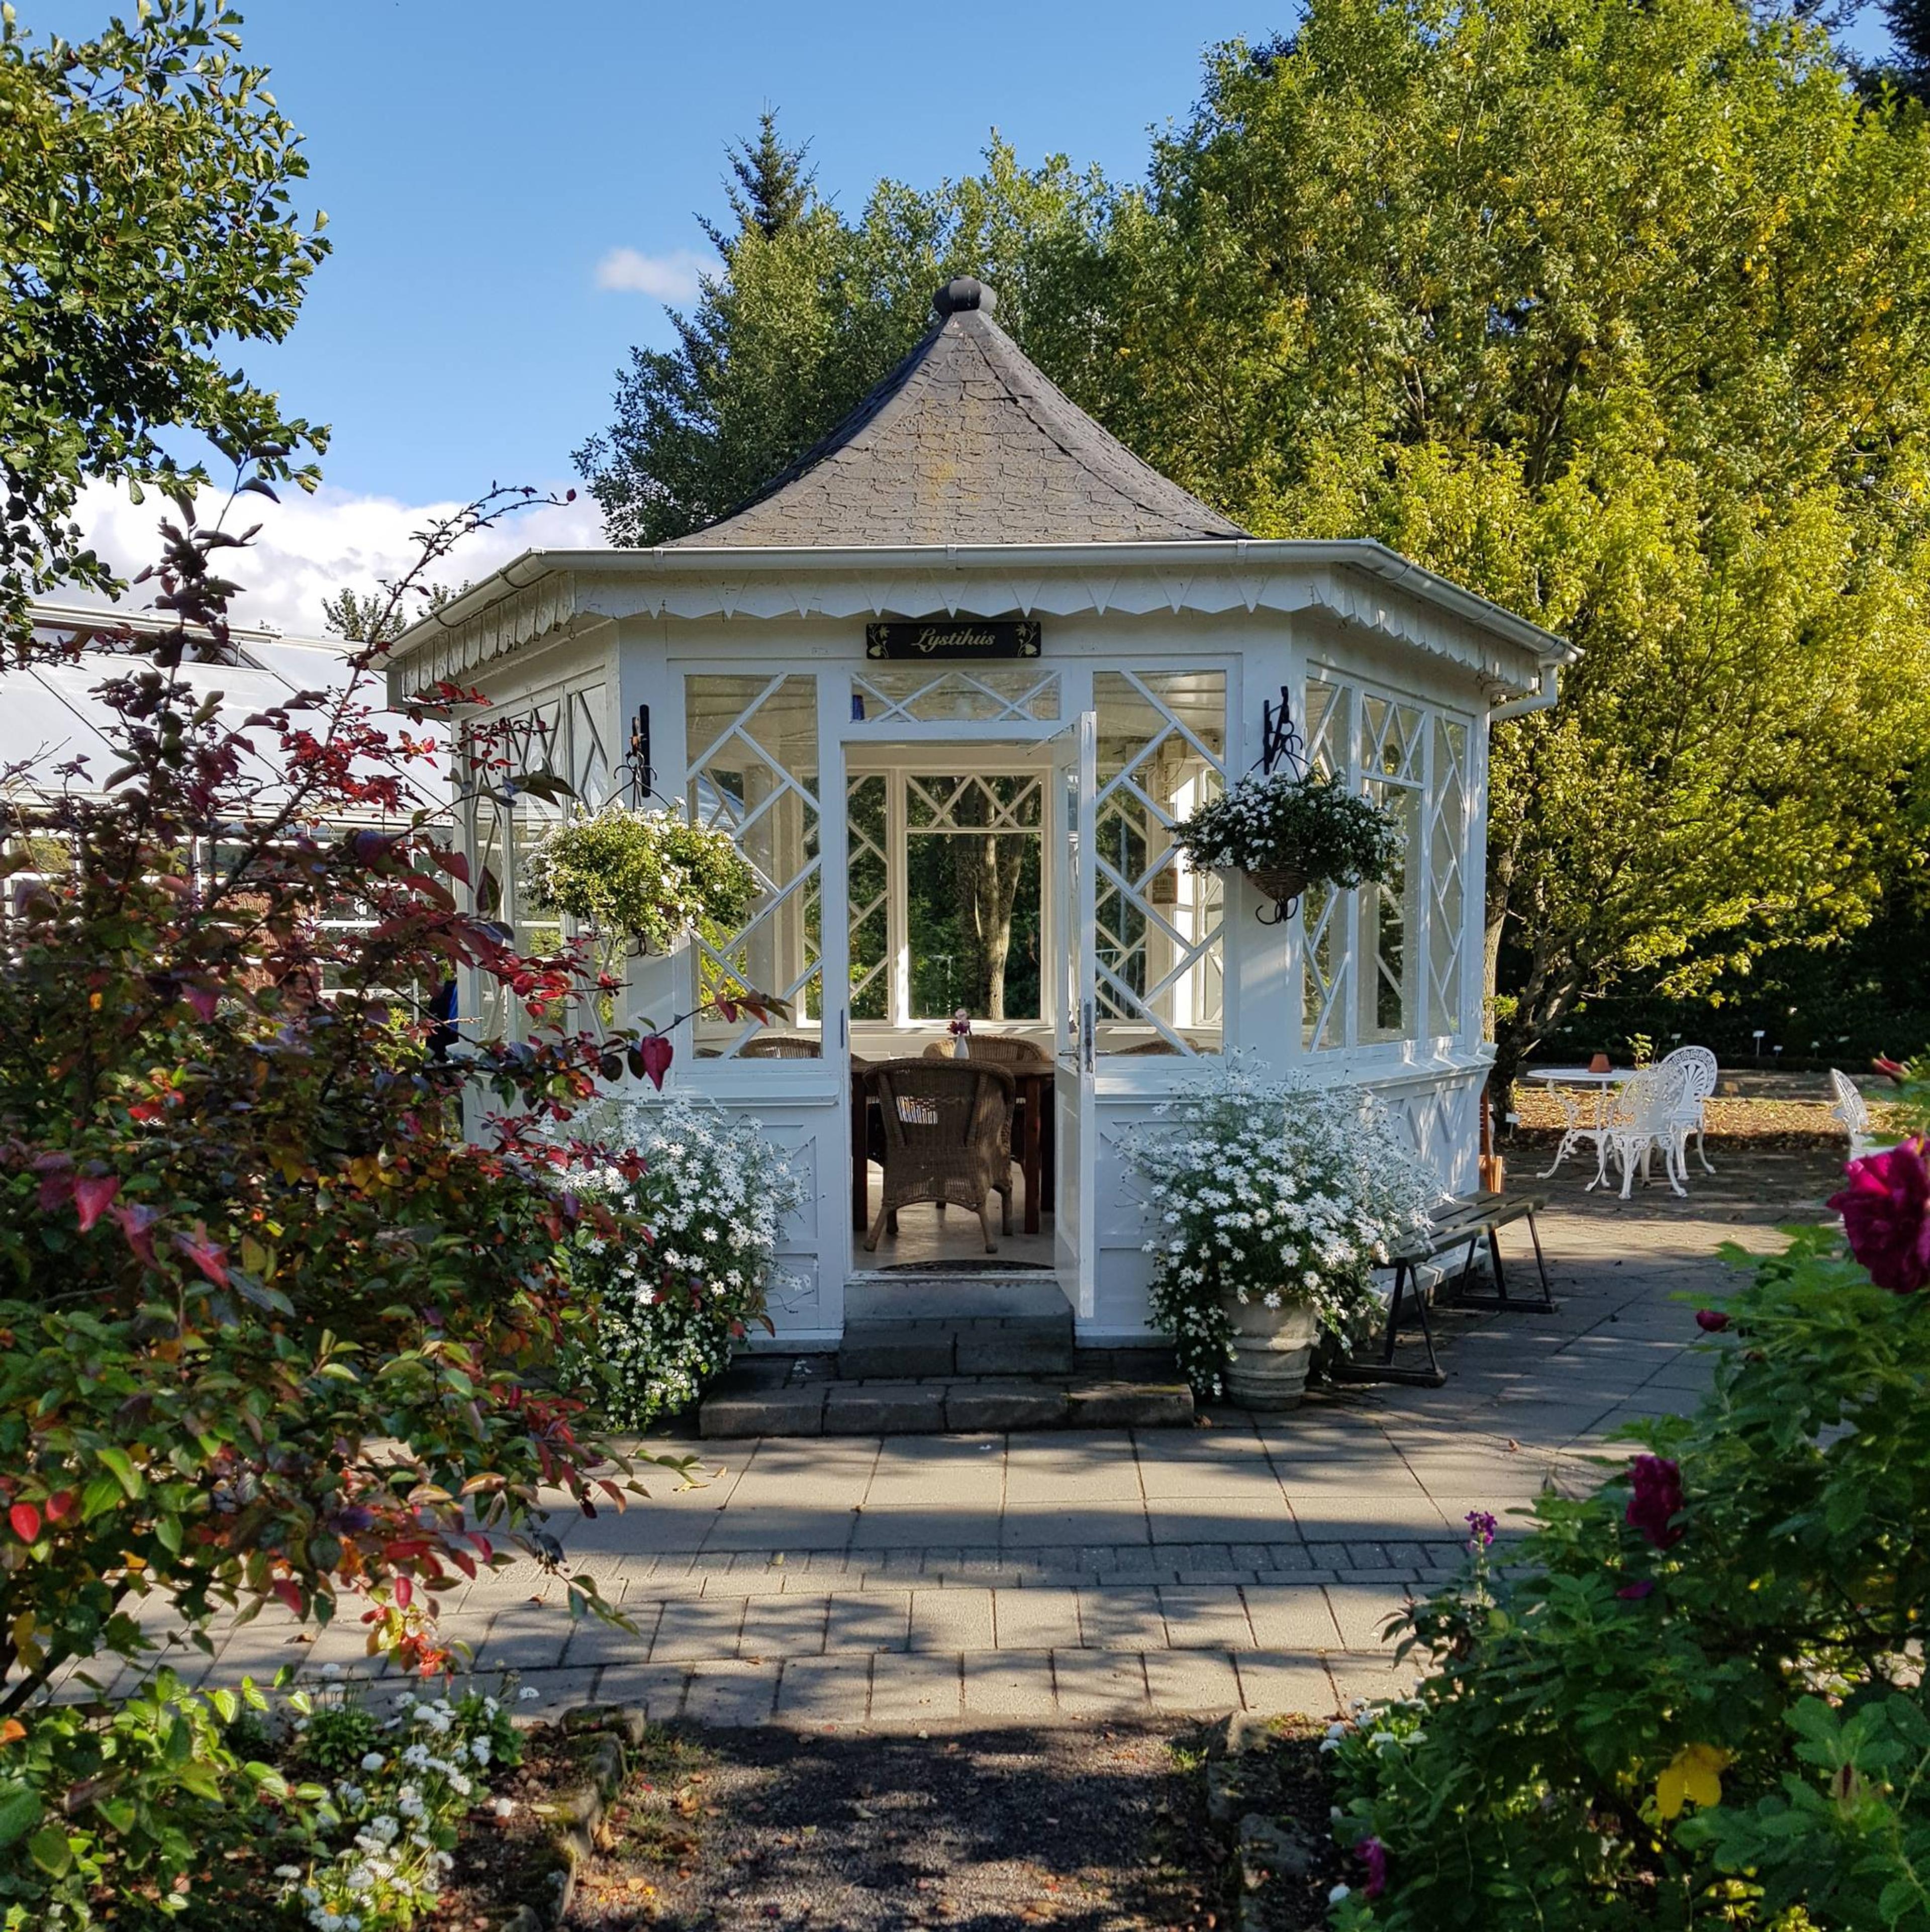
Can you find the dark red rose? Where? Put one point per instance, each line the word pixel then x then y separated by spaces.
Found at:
pixel 1656 1486
pixel 1711 1321
pixel 1886 1211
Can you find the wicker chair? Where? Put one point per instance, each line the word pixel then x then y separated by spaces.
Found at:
pixel 1001 1049
pixel 778 1046
pixel 944 1127
pixel 998 1049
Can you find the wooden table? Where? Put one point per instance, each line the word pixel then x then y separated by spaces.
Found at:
pixel 1035 1087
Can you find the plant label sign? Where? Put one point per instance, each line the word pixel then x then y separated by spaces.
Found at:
pixel 961 638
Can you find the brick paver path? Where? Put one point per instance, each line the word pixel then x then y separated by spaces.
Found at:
pixel 920 1582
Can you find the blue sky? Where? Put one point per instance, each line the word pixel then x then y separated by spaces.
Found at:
pixel 477 161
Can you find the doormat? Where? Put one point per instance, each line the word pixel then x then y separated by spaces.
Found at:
pixel 976 1265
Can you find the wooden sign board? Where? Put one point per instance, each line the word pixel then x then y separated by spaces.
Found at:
pixel 961 638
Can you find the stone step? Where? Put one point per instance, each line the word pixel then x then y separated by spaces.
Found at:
pixel 911 1326
pixel 944 1405
pixel 995 1345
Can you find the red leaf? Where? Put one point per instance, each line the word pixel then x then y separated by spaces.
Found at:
pixel 289 1592
pixel 210 1260
pixel 727 1011
pixel 658 1053
pixel 26 1521
pixel 137 1224
pixel 58 1504
pixel 92 1194
pixel 456 864
pixel 405 1590
pixel 203 999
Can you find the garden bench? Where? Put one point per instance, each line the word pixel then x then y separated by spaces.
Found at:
pixel 1460 1223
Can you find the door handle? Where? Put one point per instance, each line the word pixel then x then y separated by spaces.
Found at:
pixel 1085 1033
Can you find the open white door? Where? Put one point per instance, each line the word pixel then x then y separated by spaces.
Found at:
pixel 1075 780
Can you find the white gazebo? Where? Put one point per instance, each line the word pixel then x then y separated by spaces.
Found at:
pixel 971 613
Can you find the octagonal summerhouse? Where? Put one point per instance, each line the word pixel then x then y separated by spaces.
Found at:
pixel 970 613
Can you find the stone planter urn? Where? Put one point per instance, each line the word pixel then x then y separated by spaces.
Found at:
pixel 1272 1348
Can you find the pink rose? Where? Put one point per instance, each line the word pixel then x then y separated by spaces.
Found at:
pixel 1656 1486
pixel 1886 1211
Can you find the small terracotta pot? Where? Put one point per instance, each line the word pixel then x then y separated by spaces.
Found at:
pixel 1598 1063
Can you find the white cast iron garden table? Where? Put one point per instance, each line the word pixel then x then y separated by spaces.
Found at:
pixel 1582 1094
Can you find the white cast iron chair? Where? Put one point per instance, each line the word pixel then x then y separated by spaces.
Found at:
pixel 1698 1066
pixel 1853 1112
pixel 1641 1118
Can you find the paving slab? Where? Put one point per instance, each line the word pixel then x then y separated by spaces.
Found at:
pixel 1192 1680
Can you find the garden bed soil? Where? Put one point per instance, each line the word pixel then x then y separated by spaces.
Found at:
pixel 504 1862
pixel 1755 1122
pixel 1098 1828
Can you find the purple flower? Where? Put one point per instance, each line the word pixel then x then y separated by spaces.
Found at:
pixel 1711 1321
pixel 1886 1211
pixel 1481 1527
pixel 1372 1854
pixel 1634 1593
pixel 1656 1483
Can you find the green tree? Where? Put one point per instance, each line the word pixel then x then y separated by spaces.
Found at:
pixel 146 225
pixel 768 188
pixel 808 314
pixel 1616 312
pixel 377 617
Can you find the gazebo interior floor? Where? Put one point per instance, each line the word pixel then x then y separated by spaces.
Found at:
pixel 927 1237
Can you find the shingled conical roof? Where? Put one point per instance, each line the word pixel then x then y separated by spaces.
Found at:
pixel 966 442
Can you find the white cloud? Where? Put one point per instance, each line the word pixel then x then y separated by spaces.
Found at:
pixel 672 277
pixel 309 548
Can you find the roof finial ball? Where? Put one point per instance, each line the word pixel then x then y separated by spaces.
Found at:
pixel 962 292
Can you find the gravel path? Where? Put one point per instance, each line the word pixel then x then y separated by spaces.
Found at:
pixel 1096 1827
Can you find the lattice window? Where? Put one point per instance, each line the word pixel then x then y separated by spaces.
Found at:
pixel 987 694
pixel 1448 840
pixel 752 769
pixel 1393 746
pixel 1159 984
pixel 1325 914
pixel 564 732
pixel 588 748
pixel 868 842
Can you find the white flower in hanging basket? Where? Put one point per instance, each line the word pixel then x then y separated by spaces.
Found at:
pixel 1288 831
pixel 651 874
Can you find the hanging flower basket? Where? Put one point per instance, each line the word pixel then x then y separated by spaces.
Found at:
pixel 1278 883
pixel 650 875
pixel 1289 831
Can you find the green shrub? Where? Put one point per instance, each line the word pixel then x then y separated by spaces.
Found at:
pixel 1696 1698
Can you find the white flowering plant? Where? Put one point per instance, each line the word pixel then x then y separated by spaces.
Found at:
pixel 1274 1192
pixel 697 1208
pixel 1302 822
pixel 382 1834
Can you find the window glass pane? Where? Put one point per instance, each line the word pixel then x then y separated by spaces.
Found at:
pixel 973 894
pixel 1450 840
pixel 1160 983
pixel 1390 982
pixel 870 889
pixel 884 694
pixel 752 769
pixel 589 750
pixel 1325 916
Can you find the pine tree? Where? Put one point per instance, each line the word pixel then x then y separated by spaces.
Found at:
pixel 768 187
pixel 1909 22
